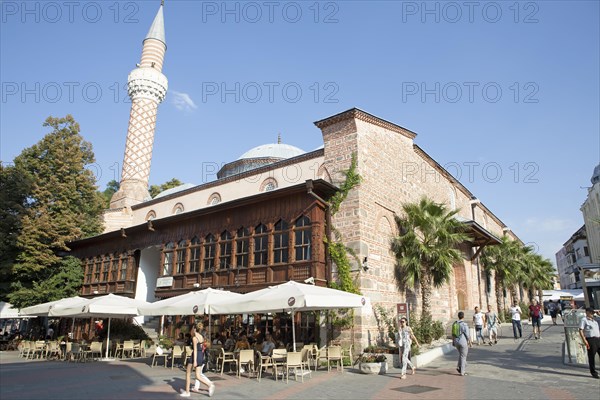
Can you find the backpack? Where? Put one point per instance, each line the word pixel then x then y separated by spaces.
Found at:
pixel 455 330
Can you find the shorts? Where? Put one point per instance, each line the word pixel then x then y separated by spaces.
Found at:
pixel 553 314
pixel 536 321
pixel 493 330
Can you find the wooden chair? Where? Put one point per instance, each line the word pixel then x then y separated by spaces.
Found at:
pixel 293 361
pixel 246 359
pixel 227 358
pixel 334 353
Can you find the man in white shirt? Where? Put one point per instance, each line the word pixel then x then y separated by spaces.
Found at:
pixel 515 312
pixel 478 322
pixel 590 333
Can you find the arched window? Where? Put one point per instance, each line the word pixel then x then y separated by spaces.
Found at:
pixel 281 238
pixel 268 185
pixel 168 259
pixel 225 244
pixel 178 209
pixel 209 252
pixel 181 252
pixel 242 247
pixel 302 235
pixel 261 242
pixel 151 215
pixel 195 255
pixel 214 199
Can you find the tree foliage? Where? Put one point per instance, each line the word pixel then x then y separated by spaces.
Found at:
pixel 62 204
pixel 156 189
pixel 426 248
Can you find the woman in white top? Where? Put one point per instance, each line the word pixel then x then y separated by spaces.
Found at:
pixel 515 311
pixel 404 339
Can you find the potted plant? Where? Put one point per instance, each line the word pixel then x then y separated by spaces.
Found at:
pixel 372 363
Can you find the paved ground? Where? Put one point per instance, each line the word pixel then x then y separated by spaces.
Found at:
pixel 526 369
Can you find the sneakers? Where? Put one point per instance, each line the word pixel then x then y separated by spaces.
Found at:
pixel 403 377
pixel 197 385
pixel 490 343
pixel 184 393
pixel 211 390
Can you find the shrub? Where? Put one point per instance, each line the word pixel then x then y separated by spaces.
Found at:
pixel 426 330
pixel 372 358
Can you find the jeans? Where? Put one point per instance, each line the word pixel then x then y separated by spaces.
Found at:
pixel 517 325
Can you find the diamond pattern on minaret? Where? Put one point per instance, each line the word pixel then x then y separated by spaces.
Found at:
pixel 140 140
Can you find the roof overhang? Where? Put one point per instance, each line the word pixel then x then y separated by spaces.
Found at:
pixel 479 237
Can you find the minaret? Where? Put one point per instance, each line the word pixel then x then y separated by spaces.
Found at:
pixel 147 88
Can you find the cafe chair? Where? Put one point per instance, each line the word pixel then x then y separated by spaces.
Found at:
pixel 293 361
pixel 334 354
pixel 227 358
pixel 246 360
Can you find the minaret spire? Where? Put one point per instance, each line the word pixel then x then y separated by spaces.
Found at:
pixel 147 88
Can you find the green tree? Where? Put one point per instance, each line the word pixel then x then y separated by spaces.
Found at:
pixel 63 205
pixel 111 188
pixel 156 189
pixel 15 188
pixel 426 248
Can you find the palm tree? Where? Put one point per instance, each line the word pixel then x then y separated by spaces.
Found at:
pixel 426 248
pixel 540 277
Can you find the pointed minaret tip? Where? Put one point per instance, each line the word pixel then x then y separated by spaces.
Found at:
pixel 157 30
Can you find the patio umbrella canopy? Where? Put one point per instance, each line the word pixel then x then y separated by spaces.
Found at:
pixel 191 303
pixel 7 311
pixel 108 306
pixel 290 296
pixel 42 310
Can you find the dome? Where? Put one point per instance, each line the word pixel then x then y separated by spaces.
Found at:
pixel 272 150
pixel 596 175
pixel 175 190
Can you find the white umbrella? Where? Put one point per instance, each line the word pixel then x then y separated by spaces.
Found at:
pixel 290 296
pixel 191 303
pixel 107 306
pixel 7 311
pixel 41 310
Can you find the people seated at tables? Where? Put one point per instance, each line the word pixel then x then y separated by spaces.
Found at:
pixel 242 343
pixel 229 344
pixel 217 340
pixel 267 346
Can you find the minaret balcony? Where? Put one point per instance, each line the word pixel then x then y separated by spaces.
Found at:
pixel 147 83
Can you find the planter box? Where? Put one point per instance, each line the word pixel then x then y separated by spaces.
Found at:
pixel 379 368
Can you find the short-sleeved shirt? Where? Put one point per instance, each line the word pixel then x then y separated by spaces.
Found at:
pixel 267 347
pixel 589 327
pixel 478 319
pixel 492 318
pixel 535 311
pixel 516 313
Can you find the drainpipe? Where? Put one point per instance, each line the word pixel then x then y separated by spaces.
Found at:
pixel 474 201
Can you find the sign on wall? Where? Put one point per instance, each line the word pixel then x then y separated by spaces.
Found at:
pixel 165 281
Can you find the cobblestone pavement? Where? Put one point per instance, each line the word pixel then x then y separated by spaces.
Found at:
pixel 524 369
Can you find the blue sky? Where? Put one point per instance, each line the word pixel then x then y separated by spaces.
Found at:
pixel 504 94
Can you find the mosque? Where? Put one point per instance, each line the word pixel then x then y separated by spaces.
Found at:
pixel 264 220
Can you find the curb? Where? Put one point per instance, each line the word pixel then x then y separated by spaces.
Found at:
pixel 425 358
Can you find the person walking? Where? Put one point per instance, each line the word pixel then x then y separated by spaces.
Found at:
pixel 491 319
pixel 196 360
pixel 552 310
pixel 462 343
pixel 590 333
pixel 478 318
pixel 536 314
pixel 515 312
pixel 404 339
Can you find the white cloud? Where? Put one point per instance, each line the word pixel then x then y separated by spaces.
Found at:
pixel 549 224
pixel 182 101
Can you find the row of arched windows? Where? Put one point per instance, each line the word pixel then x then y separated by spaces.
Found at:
pixel 215 198
pixel 243 249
